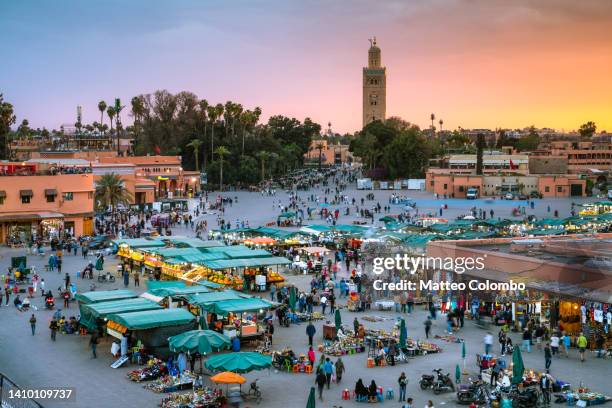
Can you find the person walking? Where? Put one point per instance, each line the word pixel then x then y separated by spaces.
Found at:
pixel 1 297
pixel 93 343
pixel 427 324
pixel 328 369
pixel 323 302
pixel 272 292
pixel 126 278
pixel 546 387
pixel 310 332
pixel 339 369
pixel 7 294
pixel 567 343
pixel 495 373
pixel 53 326
pixel 356 326
pixel 488 342
pixel 554 343
pixel 527 340
pixel 33 324
pixel 547 356
pixel 320 380
pixel 403 382
pixel 581 343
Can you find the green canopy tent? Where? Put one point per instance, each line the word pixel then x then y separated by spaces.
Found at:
pixel 104 296
pixel 179 292
pixel 202 299
pixel 242 305
pixel 153 319
pixel 287 214
pixel 403 334
pixel 136 243
pixel 199 341
pixel 91 313
pixel 240 362
pixel 518 368
pixel 457 374
pixel 153 284
pixel 223 264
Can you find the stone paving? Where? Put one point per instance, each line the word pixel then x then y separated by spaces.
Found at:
pixel 36 361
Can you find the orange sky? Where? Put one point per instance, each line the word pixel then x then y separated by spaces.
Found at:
pixel 474 63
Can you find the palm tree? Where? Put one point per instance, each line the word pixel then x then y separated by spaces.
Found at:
pixel 110 111
pixel 214 113
pixel 195 145
pixel 319 146
pixel 110 191
pixel 101 108
pixel 221 152
pixel 432 117
pixel 263 156
pixel 441 122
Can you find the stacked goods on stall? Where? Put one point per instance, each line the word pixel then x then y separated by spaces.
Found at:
pixel 171 383
pixel 155 368
pixel 348 345
pixel 204 398
pixel 275 277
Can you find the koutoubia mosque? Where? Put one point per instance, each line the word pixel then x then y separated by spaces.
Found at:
pixel 374 86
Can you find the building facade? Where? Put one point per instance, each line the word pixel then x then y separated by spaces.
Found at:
pixel 374 86
pixel 44 206
pixel 330 153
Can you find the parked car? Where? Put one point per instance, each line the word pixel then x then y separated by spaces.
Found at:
pixel 508 196
pixel 523 197
pixel 471 194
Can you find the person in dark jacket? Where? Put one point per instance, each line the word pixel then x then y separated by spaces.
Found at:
pixel 310 332
pixel 547 356
pixel 373 391
pixel 320 381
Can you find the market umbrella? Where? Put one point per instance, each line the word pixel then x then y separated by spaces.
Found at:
pixel 227 377
pixel 292 298
pixel 199 341
pixel 463 354
pixel 518 368
pixel 457 374
pixel 403 334
pixel 311 399
pixel 241 362
pixel 338 319
pixel 203 323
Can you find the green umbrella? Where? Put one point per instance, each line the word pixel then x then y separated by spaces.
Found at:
pixel 463 350
pixel 518 368
pixel 457 374
pixel 311 399
pixel 199 341
pixel 403 334
pixel 241 362
pixel 338 319
pixel 292 298
pixel 203 323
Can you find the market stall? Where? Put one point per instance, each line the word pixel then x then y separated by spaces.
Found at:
pixel 152 328
pixel 237 317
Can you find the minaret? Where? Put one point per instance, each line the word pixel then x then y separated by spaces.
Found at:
pixel 374 86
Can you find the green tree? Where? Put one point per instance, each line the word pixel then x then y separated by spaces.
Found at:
pixel 263 156
pixel 407 155
pixel 587 130
pixel 221 152
pixel 319 146
pixel 195 145
pixel 110 191
pixel 102 109
pixel 7 119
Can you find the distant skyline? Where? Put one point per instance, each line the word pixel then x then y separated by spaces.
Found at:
pixel 474 63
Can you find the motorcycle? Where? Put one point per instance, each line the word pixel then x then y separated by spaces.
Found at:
pixel 441 384
pixel 475 392
pixel 49 303
pixel 106 277
pixel 527 398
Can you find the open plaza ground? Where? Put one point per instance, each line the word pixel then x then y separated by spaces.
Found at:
pixel 36 361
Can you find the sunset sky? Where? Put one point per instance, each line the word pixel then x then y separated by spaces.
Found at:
pixel 474 63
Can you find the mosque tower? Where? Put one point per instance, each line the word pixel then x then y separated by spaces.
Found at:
pixel 374 86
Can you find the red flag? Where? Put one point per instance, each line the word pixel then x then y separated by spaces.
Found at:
pixel 512 166
pixel 158 151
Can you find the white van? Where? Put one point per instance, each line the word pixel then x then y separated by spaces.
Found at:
pixel 472 194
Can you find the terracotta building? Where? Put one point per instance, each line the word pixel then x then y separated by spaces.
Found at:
pixel 43 206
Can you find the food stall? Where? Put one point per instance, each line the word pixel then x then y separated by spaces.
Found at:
pixel 87 298
pixel 152 328
pixel 239 317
